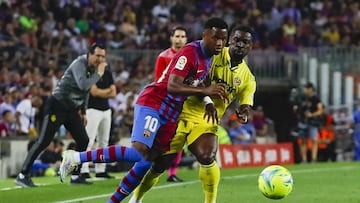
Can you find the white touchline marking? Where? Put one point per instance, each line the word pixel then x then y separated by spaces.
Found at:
pixel 197 181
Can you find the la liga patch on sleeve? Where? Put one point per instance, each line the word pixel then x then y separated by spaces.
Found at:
pixel 181 62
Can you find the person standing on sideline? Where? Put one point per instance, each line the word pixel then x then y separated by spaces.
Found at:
pixel 158 108
pixel 314 109
pixel 99 120
pixel 66 106
pixel 178 39
pixel 199 133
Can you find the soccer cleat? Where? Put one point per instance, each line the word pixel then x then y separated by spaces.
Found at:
pixel 104 175
pixel 174 179
pixel 68 164
pixel 24 181
pixel 133 200
pixel 80 180
pixel 86 175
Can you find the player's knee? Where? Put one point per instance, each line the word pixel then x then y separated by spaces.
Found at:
pixel 158 168
pixel 142 149
pixel 163 163
pixel 206 158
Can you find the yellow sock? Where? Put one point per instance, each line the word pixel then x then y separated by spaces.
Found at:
pixel 210 177
pixel 150 179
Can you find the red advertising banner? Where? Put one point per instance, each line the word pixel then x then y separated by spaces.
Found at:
pixel 232 156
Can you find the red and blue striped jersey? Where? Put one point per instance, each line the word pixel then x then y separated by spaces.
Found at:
pixel 192 64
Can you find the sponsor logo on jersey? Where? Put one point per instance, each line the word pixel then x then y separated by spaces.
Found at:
pixel 237 81
pixel 181 62
pixel 147 133
pixel 102 157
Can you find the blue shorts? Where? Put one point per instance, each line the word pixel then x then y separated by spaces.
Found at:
pixel 309 132
pixel 152 129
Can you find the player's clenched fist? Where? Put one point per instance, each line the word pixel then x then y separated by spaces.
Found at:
pixel 242 112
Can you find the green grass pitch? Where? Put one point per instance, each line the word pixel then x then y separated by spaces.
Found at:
pixel 313 183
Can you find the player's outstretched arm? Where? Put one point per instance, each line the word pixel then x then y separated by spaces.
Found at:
pixel 176 86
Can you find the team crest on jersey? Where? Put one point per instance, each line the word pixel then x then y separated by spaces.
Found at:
pixel 237 81
pixel 181 62
pixel 147 133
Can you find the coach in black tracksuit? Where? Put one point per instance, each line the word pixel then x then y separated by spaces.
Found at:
pixel 67 106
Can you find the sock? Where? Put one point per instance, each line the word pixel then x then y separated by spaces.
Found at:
pixel 210 177
pixel 150 179
pixel 173 168
pixel 130 181
pixel 74 177
pixel 110 154
pixel 21 176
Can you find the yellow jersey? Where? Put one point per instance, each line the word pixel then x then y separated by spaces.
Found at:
pixel 240 83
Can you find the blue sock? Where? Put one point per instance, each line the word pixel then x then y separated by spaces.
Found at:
pixel 111 154
pixel 130 181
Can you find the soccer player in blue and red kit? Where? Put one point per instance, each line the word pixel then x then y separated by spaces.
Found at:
pixel 178 39
pixel 158 108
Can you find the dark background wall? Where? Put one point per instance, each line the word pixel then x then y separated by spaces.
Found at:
pixel 276 106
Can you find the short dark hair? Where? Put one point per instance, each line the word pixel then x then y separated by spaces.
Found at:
pixel 309 85
pixel 215 22
pixel 93 46
pixel 177 28
pixel 243 28
pixel 5 112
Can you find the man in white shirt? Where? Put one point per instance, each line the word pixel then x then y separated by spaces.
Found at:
pixel 25 114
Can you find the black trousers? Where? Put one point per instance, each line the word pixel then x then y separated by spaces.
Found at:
pixel 56 114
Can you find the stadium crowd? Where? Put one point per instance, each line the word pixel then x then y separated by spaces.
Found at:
pixel 37 37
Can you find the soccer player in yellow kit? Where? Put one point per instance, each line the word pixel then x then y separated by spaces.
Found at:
pixel 195 126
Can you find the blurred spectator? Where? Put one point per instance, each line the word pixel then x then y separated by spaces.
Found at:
pixel 128 122
pixel 59 148
pixel 261 127
pixel 50 156
pixel 326 139
pixel 27 20
pixel 242 133
pixel 6 124
pixel 79 44
pixel 6 105
pixel 292 12
pixel 178 11
pixel 161 12
pixel 47 163
pixel 289 27
pixel 25 115
pixel 72 146
pixel 356 133
pixel 128 27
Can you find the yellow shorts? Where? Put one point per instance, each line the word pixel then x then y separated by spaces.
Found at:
pixel 187 132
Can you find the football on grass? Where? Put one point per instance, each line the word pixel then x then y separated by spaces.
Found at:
pixel 275 182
